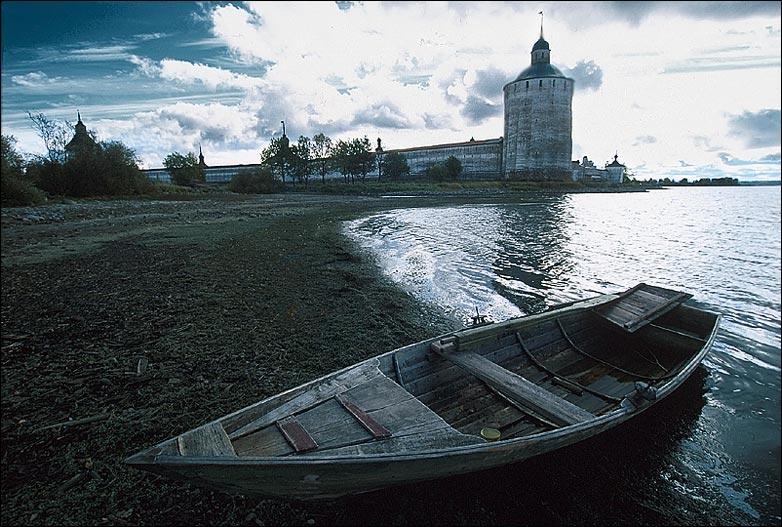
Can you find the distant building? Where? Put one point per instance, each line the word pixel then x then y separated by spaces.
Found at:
pixel 616 171
pixel 201 162
pixel 82 140
pixel 212 174
pixel 587 171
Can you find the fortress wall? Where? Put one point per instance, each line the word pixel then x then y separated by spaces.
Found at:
pixel 481 160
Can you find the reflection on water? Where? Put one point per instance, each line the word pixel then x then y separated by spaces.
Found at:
pixel 721 244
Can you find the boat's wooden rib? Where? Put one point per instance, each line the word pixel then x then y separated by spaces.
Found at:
pixel 377 430
pixel 574 386
pixel 681 333
pixel 296 435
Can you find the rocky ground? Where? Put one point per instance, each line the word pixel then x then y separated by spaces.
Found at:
pixel 127 322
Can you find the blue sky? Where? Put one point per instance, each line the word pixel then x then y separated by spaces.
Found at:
pixel 678 89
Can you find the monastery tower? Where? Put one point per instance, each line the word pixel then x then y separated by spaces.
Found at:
pixel 538 120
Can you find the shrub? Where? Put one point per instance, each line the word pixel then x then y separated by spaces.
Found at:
pixel 110 169
pixel 17 192
pixel 258 181
pixel 436 172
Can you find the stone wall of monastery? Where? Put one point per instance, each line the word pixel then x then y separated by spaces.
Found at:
pixel 481 160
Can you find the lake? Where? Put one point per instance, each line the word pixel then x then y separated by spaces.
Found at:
pixel 708 454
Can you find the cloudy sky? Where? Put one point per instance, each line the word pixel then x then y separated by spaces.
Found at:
pixel 678 89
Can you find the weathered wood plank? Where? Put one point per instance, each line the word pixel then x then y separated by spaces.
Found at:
pixel 267 441
pixel 207 440
pixel 375 428
pixel 653 301
pixel 520 389
pixel 296 435
pixel 331 425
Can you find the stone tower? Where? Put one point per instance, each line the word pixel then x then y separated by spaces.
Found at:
pixel 538 120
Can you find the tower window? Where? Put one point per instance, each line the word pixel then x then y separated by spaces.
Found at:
pixel 541 84
pixel 528 85
pixel 553 83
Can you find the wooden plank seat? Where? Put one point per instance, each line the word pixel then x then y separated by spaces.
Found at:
pixel 527 394
pixel 640 306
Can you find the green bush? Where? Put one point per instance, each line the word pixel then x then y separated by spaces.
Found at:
pixel 258 181
pixel 110 169
pixel 17 192
pixel 436 172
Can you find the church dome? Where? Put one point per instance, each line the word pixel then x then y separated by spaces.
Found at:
pixel 540 70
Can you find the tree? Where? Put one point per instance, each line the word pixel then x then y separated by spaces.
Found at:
pixel 395 165
pixel 301 159
pixel 119 163
pixel 322 148
pixel 55 135
pixel 184 169
pixel 342 159
pixel 436 172
pixel 15 190
pixel 12 162
pixel 354 158
pixel 278 156
pixel 105 169
pixel 363 157
pixel 453 168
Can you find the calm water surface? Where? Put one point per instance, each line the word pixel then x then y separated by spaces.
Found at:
pixel 708 454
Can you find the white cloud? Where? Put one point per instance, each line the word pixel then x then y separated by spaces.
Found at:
pixel 34 79
pixel 659 81
pixel 214 78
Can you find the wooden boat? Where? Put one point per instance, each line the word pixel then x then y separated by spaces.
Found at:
pixel 471 400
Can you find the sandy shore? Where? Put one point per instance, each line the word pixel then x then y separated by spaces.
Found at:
pixel 150 318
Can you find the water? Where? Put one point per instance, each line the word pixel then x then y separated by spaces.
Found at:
pixel 711 454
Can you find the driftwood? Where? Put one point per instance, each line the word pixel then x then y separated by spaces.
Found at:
pixel 141 367
pixel 76 422
pixel 78 479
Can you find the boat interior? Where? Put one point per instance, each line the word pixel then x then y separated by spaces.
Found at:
pixel 512 379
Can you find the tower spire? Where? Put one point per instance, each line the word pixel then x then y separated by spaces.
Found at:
pixel 78 116
pixel 541 23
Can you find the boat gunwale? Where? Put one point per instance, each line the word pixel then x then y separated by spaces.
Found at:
pixel 619 415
